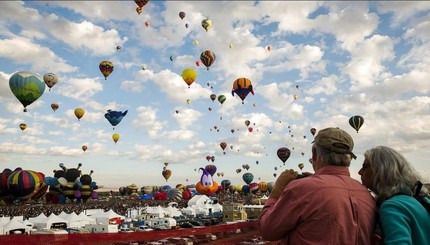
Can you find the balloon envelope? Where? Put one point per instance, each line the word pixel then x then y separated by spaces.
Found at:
pixel 189 76
pixel 356 122
pixel 283 154
pixel 115 117
pixel 50 79
pixel 208 58
pixel 106 68
pixel 27 87
pixel 248 178
pixel 242 87
pixel 79 113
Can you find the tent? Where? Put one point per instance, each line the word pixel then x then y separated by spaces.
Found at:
pixel 173 212
pixel 109 217
pixel 15 227
pixel 51 222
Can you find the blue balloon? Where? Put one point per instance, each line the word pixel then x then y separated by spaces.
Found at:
pixel 245 189
pixel 115 117
pixel 166 188
pixel 51 181
pixel 146 197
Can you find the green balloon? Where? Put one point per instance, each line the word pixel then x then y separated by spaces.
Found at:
pixel 27 87
pixel 221 99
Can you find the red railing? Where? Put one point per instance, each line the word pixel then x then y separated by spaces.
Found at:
pixel 109 238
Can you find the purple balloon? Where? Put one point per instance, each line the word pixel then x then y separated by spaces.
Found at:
pixel 77 194
pixel 211 169
pixel 94 195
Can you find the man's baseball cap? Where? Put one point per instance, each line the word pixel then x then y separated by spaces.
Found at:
pixel 336 140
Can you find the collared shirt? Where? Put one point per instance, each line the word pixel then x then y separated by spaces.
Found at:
pixel 328 207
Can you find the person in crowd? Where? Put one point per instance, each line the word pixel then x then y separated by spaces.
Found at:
pixel 402 218
pixel 328 207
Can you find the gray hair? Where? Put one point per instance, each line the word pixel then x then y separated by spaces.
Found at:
pixel 328 157
pixel 393 174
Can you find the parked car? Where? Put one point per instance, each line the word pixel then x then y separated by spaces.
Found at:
pixel 144 228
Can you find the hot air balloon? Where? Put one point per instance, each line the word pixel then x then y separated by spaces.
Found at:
pixel 269 48
pixel 186 25
pixel 230 45
pixel 248 178
pixel 166 164
pixel 106 68
pixel 55 106
pixel 115 137
pixel 232 189
pixel 23 126
pixel 197 63
pixel 27 87
pixel 211 169
pixel 171 57
pixel 263 186
pixel 283 154
pixel 221 99
pixel 144 67
pixel 225 184
pixel 208 158
pixel 23 184
pixel 313 131
pixel 356 122
pixel 118 48
pixel 208 58
pixel 250 129
pixel 147 23
pixel 188 101
pixel 196 42
pixel 247 122
pixel 189 75
pixel 207 24
pixel 301 166
pixel 253 188
pixel 182 15
pixel 84 148
pixel 213 158
pixel 50 80
pixel 174 194
pixel 206 185
pixel 79 113
pixel 242 87
pixel 140 4
pixel 223 145
pixel 295 96
pixel 115 117
pixel 166 174
pixel 213 97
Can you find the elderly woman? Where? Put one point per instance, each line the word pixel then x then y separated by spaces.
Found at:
pixel 402 218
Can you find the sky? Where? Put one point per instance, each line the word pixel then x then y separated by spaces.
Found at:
pixel 340 59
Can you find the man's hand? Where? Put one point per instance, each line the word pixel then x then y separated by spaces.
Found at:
pixel 283 180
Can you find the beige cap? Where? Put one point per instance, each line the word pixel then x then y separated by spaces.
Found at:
pixel 336 140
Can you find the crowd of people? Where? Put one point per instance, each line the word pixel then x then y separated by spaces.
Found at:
pixel 116 202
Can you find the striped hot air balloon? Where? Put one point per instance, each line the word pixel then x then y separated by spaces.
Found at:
pixel 356 122
pixel 208 58
pixel 23 184
pixel 263 186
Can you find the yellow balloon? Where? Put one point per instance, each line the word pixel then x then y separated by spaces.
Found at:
pixel 188 101
pixel 207 24
pixel 115 137
pixel 189 75
pixel 195 42
pixel 230 45
pixel 79 113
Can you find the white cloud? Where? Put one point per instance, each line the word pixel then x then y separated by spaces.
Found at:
pixel 367 59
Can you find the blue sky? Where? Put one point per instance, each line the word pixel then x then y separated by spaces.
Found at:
pixel 348 58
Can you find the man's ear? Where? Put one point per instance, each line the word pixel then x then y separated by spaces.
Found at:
pixel 314 154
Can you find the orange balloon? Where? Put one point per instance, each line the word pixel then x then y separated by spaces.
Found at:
pixel 147 23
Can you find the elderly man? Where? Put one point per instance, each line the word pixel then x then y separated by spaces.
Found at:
pixel 328 207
